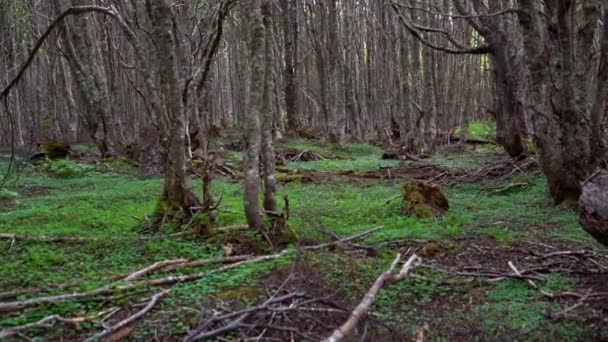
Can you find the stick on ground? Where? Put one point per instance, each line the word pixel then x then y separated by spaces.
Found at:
pixel 130 319
pixel 363 308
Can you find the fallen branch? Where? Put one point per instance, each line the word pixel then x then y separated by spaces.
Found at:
pixel 337 242
pixel 200 333
pixel 43 323
pixel 130 319
pixel 112 289
pixel 13 237
pixel 363 308
pixel 154 267
pixel 507 188
pixel 20 292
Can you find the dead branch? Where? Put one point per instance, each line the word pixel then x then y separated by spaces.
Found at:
pixel 46 322
pixel 130 319
pixel 363 308
pixel 112 289
pixel 200 333
pixel 154 267
pixel 333 243
pixel 20 292
pixel 14 237
pixel 109 289
pixel 507 188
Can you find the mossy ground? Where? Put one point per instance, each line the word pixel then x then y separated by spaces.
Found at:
pixel 108 205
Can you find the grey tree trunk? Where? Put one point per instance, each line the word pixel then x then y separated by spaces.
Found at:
pixel 177 197
pixel 254 107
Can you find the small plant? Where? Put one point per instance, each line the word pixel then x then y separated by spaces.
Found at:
pixel 66 168
pixel 480 129
pixel 7 195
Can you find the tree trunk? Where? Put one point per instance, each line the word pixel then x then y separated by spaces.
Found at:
pixel 593 207
pixel 290 33
pixel 177 198
pixel 255 104
pixel 268 153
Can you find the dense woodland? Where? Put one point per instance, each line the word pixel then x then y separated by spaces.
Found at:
pixel 246 169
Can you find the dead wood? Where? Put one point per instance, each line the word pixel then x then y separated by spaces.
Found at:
pixel 348 239
pixel 507 188
pixel 154 267
pixel 363 308
pixel 126 322
pixel 14 237
pixel 593 206
pixel 200 332
pixel 20 292
pixel 43 323
pixel 113 289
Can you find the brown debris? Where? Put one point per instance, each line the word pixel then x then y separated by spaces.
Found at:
pixel 424 200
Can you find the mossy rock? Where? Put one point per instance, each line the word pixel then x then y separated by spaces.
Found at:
pixel 240 293
pixel 294 177
pixel 240 238
pixel 55 150
pixel 424 200
pixel 307 134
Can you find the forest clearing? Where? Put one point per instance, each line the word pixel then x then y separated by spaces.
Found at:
pixel 314 170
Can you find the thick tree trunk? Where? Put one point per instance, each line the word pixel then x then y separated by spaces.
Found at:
pixel 177 198
pixel 510 120
pixel 268 153
pixel 559 111
pixel 88 69
pixel 255 104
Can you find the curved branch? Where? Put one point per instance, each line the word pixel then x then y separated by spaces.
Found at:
pixel 461 16
pixel 69 12
pixel 478 50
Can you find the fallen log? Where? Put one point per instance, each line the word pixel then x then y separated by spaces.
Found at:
pixel 593 206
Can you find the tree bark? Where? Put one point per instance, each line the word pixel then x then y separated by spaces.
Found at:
pixel 255 106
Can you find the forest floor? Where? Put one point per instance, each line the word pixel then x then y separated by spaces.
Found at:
pixel 465 290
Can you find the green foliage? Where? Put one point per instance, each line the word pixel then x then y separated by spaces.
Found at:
pixel 7 195
pixel 66 168
pixel 108 209
pixel 480 129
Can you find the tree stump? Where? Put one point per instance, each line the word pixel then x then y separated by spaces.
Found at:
pixel 593 207
pixel 424 199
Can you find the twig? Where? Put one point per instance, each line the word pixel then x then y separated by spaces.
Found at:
pixel 43 323
pixel 531 282
pixel 506 188
pixel 130 319
pixel 110 289
pixel 14 237
pixel 16 293
pixel 333 243
pixel 200 333
pixel 363 308
pixel 388 201
pixel 154 267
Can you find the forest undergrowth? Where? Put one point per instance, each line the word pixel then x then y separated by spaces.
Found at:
pixel 503 263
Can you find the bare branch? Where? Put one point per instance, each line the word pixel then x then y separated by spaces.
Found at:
pixel 363 308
